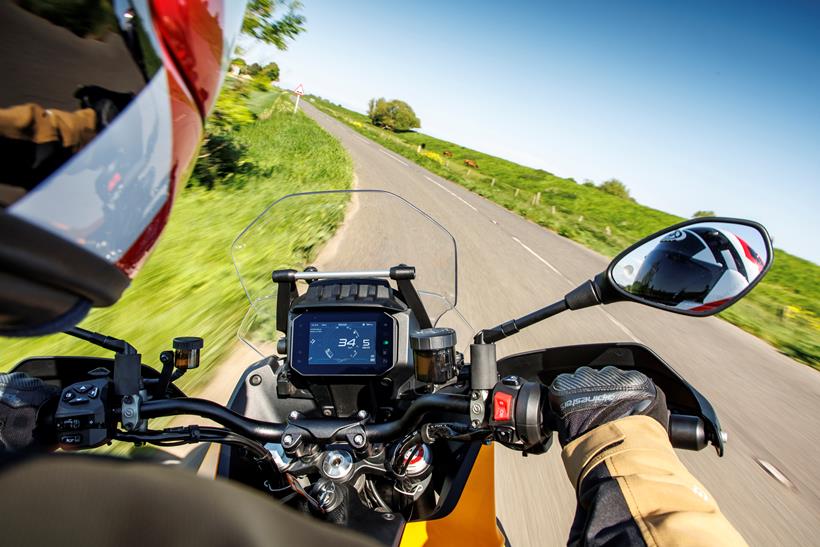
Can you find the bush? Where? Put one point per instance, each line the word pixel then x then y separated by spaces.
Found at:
pixel 222 155
pixel 699 214
pixel 432 156
pixel 395 115
pixel 230 110
pixel 221 159
pixel 615 188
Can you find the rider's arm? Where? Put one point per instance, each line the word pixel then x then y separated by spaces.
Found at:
pixel 632 489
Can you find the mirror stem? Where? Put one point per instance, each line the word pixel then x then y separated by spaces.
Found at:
pixel 499 332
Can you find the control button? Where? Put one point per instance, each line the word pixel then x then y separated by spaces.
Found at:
pixel 68 395
pixel 82 388
pixel 69 423
pixel 93 392
pixel 502 403
pixel 511 381
pixel 71 439
pixel 79 400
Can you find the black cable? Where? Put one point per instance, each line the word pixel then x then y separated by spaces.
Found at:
pixel 247 427
pixel 195 434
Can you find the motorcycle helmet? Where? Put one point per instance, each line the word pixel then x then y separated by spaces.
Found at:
pixel 101 114
pixel 697 268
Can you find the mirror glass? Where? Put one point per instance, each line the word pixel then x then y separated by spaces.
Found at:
pixel 697 269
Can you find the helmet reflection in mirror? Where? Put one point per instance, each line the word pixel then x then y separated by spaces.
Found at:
pixel 695 268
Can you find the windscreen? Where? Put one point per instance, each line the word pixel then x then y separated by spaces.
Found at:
pixel 340 231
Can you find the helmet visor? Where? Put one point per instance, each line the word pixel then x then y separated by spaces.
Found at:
pixel 670 278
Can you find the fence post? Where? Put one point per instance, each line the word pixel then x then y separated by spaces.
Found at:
pixel 581 218
pixel 516 192
pixel 553 209
pixel 492 183
pixel 608 231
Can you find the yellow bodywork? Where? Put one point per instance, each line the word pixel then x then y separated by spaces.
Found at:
pixel 473 521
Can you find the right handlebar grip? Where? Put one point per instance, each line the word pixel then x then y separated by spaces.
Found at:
pixel 687 432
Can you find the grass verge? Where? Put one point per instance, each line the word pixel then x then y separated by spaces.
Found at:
pixel 189 286
pixel 784 309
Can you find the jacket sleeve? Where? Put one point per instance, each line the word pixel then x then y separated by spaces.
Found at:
pixel 633 490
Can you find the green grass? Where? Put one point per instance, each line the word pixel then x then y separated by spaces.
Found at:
pixel 782 310
pixel 189 286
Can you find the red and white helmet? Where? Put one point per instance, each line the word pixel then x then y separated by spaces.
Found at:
pixel 697 268
pixel 101 115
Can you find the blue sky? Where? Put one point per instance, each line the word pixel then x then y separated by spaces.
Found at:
pixel 694 105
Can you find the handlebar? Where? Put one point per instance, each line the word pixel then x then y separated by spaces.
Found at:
pixel 685 431
pixel 324 430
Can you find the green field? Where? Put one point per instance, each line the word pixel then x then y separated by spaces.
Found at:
pixel 189 286
pixel 783 310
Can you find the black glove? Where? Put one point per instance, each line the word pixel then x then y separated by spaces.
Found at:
pixel 21 398
pixel 588 398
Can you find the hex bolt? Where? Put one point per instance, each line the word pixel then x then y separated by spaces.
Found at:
pixel 327 412
pixel 362 414
pixel 294 415
pixel 128 399
pixel 358 439
pixel 474 424
pixel 287 440
pixel 256 380
pixel 476 408
pixel 474 396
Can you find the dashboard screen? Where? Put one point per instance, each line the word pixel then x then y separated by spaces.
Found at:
pixel 341 342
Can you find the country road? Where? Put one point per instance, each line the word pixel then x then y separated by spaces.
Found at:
pixel 769 404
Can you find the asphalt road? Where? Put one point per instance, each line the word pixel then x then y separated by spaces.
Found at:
pixel 508 266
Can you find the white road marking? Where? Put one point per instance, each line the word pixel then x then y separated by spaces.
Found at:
pixel 361 138
pixel 775 473
pixel 614 321
pixel 533 253
pixel 451 193
pixel 394 158
pixel 494 221
pixel 622 327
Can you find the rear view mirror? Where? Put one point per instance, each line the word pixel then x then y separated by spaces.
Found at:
pixel 699 267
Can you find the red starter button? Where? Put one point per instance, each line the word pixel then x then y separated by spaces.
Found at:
pixel 502 403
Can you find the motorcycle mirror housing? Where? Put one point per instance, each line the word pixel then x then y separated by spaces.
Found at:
pixel 699 267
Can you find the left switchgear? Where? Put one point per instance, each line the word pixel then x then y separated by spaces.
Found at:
pixel 81 418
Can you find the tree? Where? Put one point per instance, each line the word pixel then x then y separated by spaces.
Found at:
pixel 240 63
pixel 699 214
pixel 261 22
pixel 616 188
pixel 395 115
pixel 270 72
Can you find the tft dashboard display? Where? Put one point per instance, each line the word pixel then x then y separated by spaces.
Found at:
pixel 341 342
pixel 335 342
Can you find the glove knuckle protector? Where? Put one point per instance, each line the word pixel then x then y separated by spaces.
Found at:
pixel 589 398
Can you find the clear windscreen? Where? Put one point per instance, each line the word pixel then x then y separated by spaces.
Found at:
pixel 343 231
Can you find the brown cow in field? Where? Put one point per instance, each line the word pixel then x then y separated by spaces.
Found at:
pixel 471 163
pixel 447 154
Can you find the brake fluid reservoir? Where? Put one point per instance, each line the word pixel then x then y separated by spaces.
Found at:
pixel 434 354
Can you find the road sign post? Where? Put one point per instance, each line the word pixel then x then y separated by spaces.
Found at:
pixel 299 91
